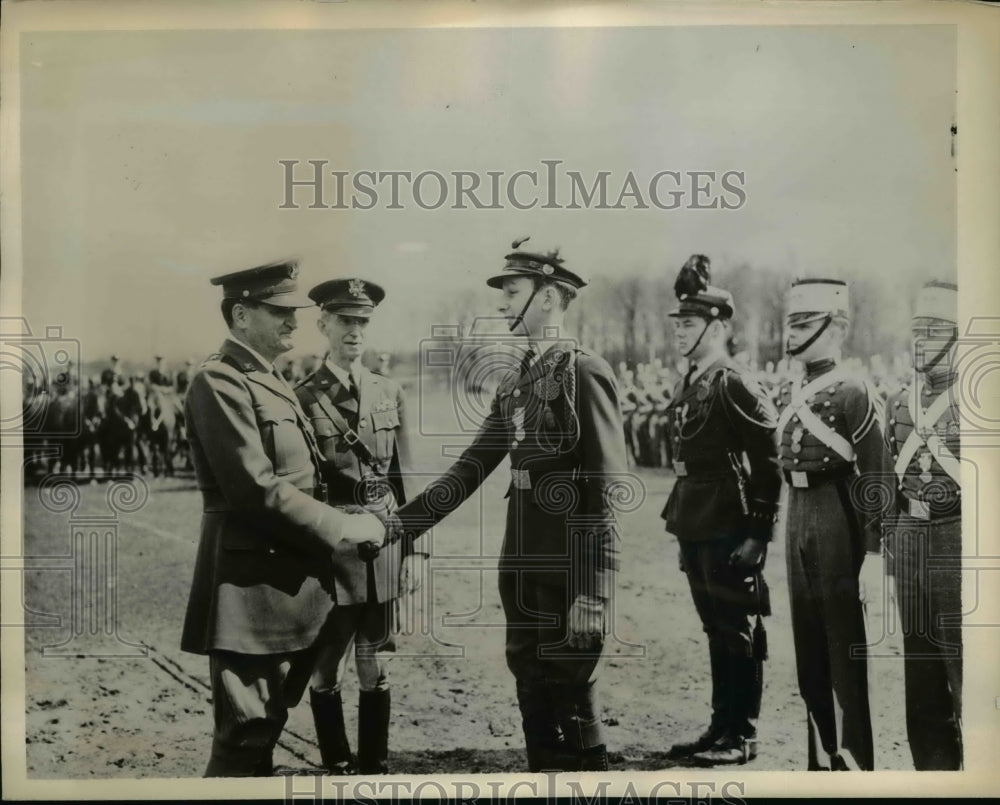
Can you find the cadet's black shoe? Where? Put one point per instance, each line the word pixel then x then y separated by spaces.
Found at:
pixel 728 750
pixel 704 741
pixel 594 758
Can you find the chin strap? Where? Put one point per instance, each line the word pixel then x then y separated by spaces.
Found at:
pixel 520 316
pixel 698 340
pixel 809 341
pixel 940 356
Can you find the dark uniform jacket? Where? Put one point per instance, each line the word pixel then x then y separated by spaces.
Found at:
pixel 924 488
pixel 851 408
pixel 722 418
pixel 266 541
pixel 379 424
pixel 561 425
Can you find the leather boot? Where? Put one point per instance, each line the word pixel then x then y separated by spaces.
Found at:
pixel 373 731
pixel 739 743
pixel 721 701
pixel 576 711
pixel 543 744
pixel 594 759
pixel 331 734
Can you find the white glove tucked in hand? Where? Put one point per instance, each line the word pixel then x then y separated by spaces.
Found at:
pixel 587 627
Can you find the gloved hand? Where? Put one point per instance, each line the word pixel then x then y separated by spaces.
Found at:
pixel 587 627
pixel 750 554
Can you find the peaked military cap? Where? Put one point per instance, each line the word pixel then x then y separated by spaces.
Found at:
pixel 937 300
pixel 274 284
pixel 814 299
pixel 529 264
pixel 696 297
pixel 350 297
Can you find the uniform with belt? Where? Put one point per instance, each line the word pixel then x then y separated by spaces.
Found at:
pixel 259 595
pixel 359 424
pixel 924 533
pixel 829 435
pixel 558 418
pixel 720 434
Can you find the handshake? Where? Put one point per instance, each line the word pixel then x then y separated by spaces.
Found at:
pixel 372 526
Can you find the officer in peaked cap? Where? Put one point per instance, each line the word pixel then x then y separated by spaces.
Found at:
pixel 558 417
pixel 269 543
pixel 359 422
pixel 719 422
pixel 922 437
pixel 830 445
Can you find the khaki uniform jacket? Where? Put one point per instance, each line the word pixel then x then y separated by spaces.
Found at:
pixel 380 426
pixel 266 542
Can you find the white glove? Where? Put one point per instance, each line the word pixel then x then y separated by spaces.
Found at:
pixel 871 579
pixel 587 627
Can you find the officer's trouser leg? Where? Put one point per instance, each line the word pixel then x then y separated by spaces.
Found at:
pixel 828 626
pixel 930 609
pixel 251 695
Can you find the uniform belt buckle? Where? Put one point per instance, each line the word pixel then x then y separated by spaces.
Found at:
pixel 800 480
pixel 520 478
pixel 680 468
pixel 919 509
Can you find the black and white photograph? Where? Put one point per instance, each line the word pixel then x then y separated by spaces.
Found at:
pixel 473 400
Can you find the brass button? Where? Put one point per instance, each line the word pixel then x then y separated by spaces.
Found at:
pixel 826 459
pixel 517 392
pixel 364 424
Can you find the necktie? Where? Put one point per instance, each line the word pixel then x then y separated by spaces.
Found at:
pixel 690 373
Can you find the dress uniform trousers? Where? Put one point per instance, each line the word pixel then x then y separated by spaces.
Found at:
pixel 726 602
pixel 825 549
pixel 554 681
pixel 927 568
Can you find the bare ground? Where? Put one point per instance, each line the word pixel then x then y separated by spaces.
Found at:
pixel 149 714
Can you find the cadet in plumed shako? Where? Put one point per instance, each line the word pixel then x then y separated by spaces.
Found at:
pixel 829 432
pixel 722 510
pixel 924 531
pixel 359 423
pixel 269 543
pixel 558 418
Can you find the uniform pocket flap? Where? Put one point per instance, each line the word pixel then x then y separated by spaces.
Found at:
pixel 384 420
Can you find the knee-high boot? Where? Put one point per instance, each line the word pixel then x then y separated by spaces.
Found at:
pixel 334 748
pixel 373 731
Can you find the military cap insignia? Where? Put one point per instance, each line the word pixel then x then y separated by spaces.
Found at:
pixel 293 271
pixel 356 287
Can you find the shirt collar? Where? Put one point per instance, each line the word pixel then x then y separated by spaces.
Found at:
pixel 346 378
pixel 264 361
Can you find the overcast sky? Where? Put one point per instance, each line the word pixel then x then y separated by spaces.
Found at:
pixel 150 160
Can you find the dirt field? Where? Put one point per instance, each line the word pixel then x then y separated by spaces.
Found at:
pixel 149 715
